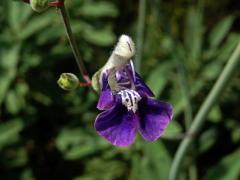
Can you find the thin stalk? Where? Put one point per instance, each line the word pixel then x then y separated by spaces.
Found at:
pixel 140 32
pixel 73 44
pixel 205 108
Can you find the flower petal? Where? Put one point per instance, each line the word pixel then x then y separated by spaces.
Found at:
pixel 106 99
pixel 139 83
pixel 117 125
pixel 142 87
pixel 154 118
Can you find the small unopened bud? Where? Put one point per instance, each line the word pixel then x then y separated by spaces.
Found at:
pixel 68 81
pixel 39 5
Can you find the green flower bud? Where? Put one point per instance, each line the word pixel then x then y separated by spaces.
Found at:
pixel 68 81
pixel 39 5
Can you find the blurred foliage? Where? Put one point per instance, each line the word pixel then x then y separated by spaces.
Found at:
pixel 47 133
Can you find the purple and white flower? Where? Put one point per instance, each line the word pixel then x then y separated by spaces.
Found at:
pixel 130 110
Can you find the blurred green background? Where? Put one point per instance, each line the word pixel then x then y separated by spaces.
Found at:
pixel 47 133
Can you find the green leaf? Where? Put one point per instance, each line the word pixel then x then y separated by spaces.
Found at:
pixel 220 31
pixel 36 24
pixel 207 140
pixel 215 114
pixel 157 79
pixel 85 178
pixel 106 169
pixel 224 52
pixel 10 131
pixel 173 129
pixel 235 134
pixel 140 168
pixel 234 127
pixel 212 70
pixel 75 144
pixel 101 37
pixel 17 158
pixel 157 153
pixel 8 63
pixel 13 104
pixel 193 35
pixel 228 168
pixel 99 9
pixel 27 175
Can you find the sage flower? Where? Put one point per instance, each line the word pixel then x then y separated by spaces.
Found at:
pixel 130 110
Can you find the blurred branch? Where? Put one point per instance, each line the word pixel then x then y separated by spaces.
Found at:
pixel 72 42
pixel 140 32
pixel 199 119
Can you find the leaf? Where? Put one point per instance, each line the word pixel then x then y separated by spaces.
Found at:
pixel 85 178
pixel 15 98
pixel 14 9
pixel 173 129
pixel 8 63
pixel 13 104
pixel 234 127
pixel 36 24
pixel 10 131
pixel 109 169
pixel 51 34
pixel 193 35
pixel 228 168
pixel 27 175
pixel 224 52
pixel 17 157
pixel 212 70
pixel 220 31
pixel 235 134
pixel 215 114
pixel 75 144
pixel 157 153
pixel 207 140
pixel 179 102
pixel 139 168
pixel 101 37
pixel 99 9
pixel 157 79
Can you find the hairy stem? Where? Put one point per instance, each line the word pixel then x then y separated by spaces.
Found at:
pixel 72 41
pixel 205 108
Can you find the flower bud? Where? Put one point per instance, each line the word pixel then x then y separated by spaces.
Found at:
pixel 68 81
pixel 39 5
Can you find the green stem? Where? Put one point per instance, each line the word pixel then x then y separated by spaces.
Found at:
pixel 199 119
pixel 73 43
pixel 140 32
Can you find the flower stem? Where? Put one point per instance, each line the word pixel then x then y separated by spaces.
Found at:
pixel 205 108
pixel 140 32
pixel 72 41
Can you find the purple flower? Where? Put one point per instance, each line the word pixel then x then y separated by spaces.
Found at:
pixel 130 110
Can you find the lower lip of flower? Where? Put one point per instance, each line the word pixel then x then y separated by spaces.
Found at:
pixel 130 99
